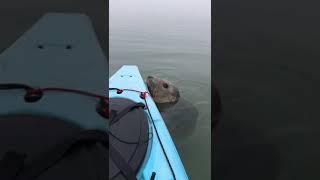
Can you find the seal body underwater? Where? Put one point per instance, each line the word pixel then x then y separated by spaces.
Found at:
pixel 181 119
pixel 179 114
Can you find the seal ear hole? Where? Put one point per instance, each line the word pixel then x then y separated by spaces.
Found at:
pixel 40 46
pixel 165 85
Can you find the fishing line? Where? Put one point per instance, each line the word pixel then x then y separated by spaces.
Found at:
pixel 164 152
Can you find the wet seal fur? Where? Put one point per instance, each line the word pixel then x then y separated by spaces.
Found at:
pixel 162 91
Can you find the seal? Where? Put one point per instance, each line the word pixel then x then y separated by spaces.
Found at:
pixel 162 91
pixel 179 114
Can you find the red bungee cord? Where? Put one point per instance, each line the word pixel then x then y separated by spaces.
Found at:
pixel 143 94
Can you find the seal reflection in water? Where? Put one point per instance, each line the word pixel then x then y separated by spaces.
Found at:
pixel 179 114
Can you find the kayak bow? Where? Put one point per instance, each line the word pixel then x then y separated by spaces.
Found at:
pixel 161 161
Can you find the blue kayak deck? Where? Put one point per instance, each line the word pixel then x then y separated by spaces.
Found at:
pixel 162 156
pixel 55 66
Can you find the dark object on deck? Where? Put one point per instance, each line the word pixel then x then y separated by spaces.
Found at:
pixel 129 135
pixel 31 148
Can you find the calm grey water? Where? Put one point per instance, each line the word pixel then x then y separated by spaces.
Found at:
pixel 177 49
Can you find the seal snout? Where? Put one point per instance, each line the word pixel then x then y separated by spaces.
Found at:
pixel 150 80
pixel 150 84
pixel 175 95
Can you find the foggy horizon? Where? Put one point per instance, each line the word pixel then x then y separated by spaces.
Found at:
pixel 160 10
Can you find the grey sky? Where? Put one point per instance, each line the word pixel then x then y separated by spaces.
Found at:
pixel 131 9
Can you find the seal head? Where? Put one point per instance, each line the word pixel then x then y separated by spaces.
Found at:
pixel 162 91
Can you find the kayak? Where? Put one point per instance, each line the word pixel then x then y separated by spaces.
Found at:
pixel 50 54
pixel 160 158
pixel 52 81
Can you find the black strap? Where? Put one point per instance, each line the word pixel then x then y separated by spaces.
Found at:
pixel 113 113
pixel 123 112
pixel 153 176
pixel 11 164
pixel 51 157
pixel 122 164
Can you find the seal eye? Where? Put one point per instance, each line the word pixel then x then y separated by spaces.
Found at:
pixel 165 85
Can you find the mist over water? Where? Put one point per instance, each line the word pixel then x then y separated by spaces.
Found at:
pixel 171 40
